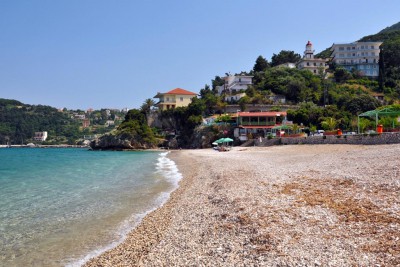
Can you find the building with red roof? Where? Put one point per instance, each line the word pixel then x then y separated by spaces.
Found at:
pixel 258 123
pixel 177 97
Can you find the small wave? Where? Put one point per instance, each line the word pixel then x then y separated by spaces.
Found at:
pixel 169 171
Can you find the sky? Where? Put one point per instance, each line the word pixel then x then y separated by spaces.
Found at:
pixel 82 54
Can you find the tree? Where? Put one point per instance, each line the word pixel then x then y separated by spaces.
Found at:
pixel 381 77
pixel 206 90
pixel 329 123
pixel 217 81
pixel 147 105
pixel 363 124
pixel 261 64
pixel 362 103
pixel 341 75
pixel 284 56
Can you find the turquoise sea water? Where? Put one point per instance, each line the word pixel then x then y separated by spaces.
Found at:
pixel 61 206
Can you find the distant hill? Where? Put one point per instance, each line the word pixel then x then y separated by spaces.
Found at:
pixel 19 122
pixel 394 27
pixel 388 34
pixel 390 52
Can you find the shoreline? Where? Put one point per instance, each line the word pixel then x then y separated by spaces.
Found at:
pixel 147 233
pixel 329 205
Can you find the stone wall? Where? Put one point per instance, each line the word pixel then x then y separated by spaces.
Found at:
pixel 385 138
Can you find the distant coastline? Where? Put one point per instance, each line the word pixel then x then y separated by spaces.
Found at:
pixel 43 146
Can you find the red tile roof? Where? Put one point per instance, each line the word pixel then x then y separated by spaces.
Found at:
pixel 179 91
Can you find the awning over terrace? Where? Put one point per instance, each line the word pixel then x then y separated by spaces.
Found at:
pixel 393 111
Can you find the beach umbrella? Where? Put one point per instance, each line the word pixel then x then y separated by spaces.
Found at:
pixel 219 141
pixel 215 143
pixel 226 140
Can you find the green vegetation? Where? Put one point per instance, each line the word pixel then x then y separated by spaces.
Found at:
pixel 19 122
pixel 284 56
pixel 331 101
pixel 135 127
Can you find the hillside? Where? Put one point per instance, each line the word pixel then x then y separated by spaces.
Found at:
pixel 391 33
pixel 19 122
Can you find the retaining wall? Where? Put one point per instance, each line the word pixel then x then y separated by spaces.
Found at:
pixel 385 138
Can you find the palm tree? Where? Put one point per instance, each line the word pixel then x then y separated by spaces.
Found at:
pixel 147 105
pixel 364 124
pixel 329 123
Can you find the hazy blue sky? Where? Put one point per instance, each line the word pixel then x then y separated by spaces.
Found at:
pixel 97 53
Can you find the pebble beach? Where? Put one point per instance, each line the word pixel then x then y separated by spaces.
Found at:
pixel 300 205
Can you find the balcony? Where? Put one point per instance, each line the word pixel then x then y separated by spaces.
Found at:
pixel 255 123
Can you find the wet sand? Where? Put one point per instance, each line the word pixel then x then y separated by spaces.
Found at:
pixel 301 205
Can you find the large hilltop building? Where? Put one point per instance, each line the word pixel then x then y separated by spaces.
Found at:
pixel 177 97
pixel 360 56
pixel 311 63
pixel 234 86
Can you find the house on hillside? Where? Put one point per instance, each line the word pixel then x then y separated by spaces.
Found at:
pixel 360 56
pixel 40 136
pixel 234 87
pixel 287 65
pixel 85 123
pixel 175 98
pixel 258 123
pixel 311 63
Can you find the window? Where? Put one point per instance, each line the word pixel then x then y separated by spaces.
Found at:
pixel 315 64
pixel 362 47
pixel 181 98
pixel 315 71
pixel 348 48
pixel 372 53
pixel 354 48
pixel 372 47
pixel 308 63
pixel 354 54
pixel 167 99
pixel 341 48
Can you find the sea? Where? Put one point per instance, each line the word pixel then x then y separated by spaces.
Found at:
pixel 62 206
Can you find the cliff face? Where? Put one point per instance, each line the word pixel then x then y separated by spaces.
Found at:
pixel 119 142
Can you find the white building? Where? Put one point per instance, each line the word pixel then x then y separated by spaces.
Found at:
pixel 234 87
pixel 109 123
pixel 287 65
pixel 360 56
pixel 40 136
pixel 311 63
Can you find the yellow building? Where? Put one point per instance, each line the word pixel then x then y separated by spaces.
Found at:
pixel 174 98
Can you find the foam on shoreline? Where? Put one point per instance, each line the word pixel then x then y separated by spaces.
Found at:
pixel 169 171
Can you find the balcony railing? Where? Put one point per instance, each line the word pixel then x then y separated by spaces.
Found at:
pixel 255 123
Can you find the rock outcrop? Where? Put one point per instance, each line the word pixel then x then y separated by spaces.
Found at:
pixel 119 142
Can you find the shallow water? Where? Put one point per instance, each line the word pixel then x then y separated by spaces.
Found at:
pixel 61 206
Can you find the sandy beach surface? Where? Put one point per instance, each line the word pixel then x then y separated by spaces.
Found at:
pixel 301 205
